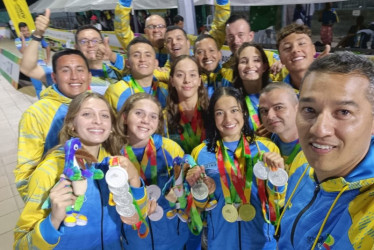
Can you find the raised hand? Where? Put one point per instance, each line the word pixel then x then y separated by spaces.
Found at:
pixel 194 174
pixel 273 160
pixel 132 172
pixel 41 23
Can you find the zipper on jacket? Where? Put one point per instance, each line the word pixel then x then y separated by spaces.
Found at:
pixel 316 190
pixel 240 236
pixel 178 227
pixel 102 213
pixel 150 231
pixel 211 220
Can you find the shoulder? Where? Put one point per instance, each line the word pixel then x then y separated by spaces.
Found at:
pixel 267 144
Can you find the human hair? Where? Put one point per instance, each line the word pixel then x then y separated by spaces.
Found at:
pixel 86 27
pixel 121 127
pixel 66 52
pixel 281 85
pixel 139 39
pixel 175 27
pixel 345 63
pixel 212 132
pixel 173 113
pixel 238 82
pixel 21 25
pixel 234 18
pixel 202 37
pixel 290 29
pixel 67 131
pixel 177 19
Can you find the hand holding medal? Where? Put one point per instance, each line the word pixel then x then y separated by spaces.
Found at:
pixel 275 172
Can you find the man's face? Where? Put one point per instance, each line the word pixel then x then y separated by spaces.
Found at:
pixel 180 24
pixel 278 112
pixel 72 75
pixel 177 43
pixel 335 122
pixel 207 54
pixel 237 33
pixel 25 32
pixel 88 43
pixel 142 60
pixel 297 52
pixel 155 28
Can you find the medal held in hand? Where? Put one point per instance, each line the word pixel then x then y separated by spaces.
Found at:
pixel 278 177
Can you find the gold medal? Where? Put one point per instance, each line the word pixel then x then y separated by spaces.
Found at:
pixel 229 213
pixel 247 212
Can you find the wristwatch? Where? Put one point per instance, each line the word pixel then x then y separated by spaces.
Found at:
pixel 39 39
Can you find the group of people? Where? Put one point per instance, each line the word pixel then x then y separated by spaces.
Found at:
pixel 237 157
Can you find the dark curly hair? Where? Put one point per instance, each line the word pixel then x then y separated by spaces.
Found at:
pixel 172 109
pixel 212 132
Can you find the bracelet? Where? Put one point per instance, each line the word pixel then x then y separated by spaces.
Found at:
pixel 39 39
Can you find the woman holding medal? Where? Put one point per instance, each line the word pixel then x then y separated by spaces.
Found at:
pixel 90 119
pixel 252 74
pixel 247 205
pixel 186 104
pixel 139 119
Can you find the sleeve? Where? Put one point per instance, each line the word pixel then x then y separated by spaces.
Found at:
pixel 122 26
pixel 112 95
pixel 44 43
pixel 221 14
pixel 30 150
pixel 141 198
pixel 34 229
pixel 18 43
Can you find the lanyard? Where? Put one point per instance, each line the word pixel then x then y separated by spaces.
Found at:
pixel 252 114
pixel 293 154
pixel 136 86
pixel 149 158
pixel 235 169
pixel 193 131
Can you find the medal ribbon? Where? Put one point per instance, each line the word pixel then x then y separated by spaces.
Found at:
pixel 138 88
pixel 193 131
pixel 149 156
pixel 293 154
pixel 223 179
pixel 252 114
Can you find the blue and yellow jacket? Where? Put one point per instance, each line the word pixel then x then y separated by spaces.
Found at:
pixel 38 132
pixel 163 234
pixel 34 229
pixel 125 35
pixel 255 234
pixel 117 93
pixel 220 77
pixel 350 198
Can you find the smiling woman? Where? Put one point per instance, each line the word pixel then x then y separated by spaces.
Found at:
pixel 90 119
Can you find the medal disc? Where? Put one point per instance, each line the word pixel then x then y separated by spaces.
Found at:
pixel 116 177
pixel 260 171
pixel 278 178
pixel 125 199
pixel 247 212
pixel 210 184
pixel 130 220
pixel 157 214
pixel 200 191
pixel 229 213
pixel 126 211
pixel 120 190
pixel 154 192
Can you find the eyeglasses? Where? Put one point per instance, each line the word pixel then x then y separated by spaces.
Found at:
pixel 158 26
pixel 85 42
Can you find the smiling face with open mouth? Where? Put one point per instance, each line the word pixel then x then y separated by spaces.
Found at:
pixel 251 66
pixel 177 43
pixel 228 117
pixel 207 54
pixel 93 122
pixel 335 122
pixel 142 122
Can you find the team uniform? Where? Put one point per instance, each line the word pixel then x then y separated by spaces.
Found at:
pixel 254 234
pixel 288 80
pixel 288 150
pixel 34 229
pixel 165 233
pixel 38 132
pixel 117 93
pixel 220 77
pixel 351 222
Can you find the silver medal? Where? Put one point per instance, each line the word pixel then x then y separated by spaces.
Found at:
pixel 120 190
pixel 157 214
pixel 126 211
pixel 125 199
pixel 116 177
pixel 278 178
pixel 154 192
pixel 260 171
pixel 200 191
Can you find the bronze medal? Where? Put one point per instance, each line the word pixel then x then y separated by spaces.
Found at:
pixel 247 212
pixel 229 213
